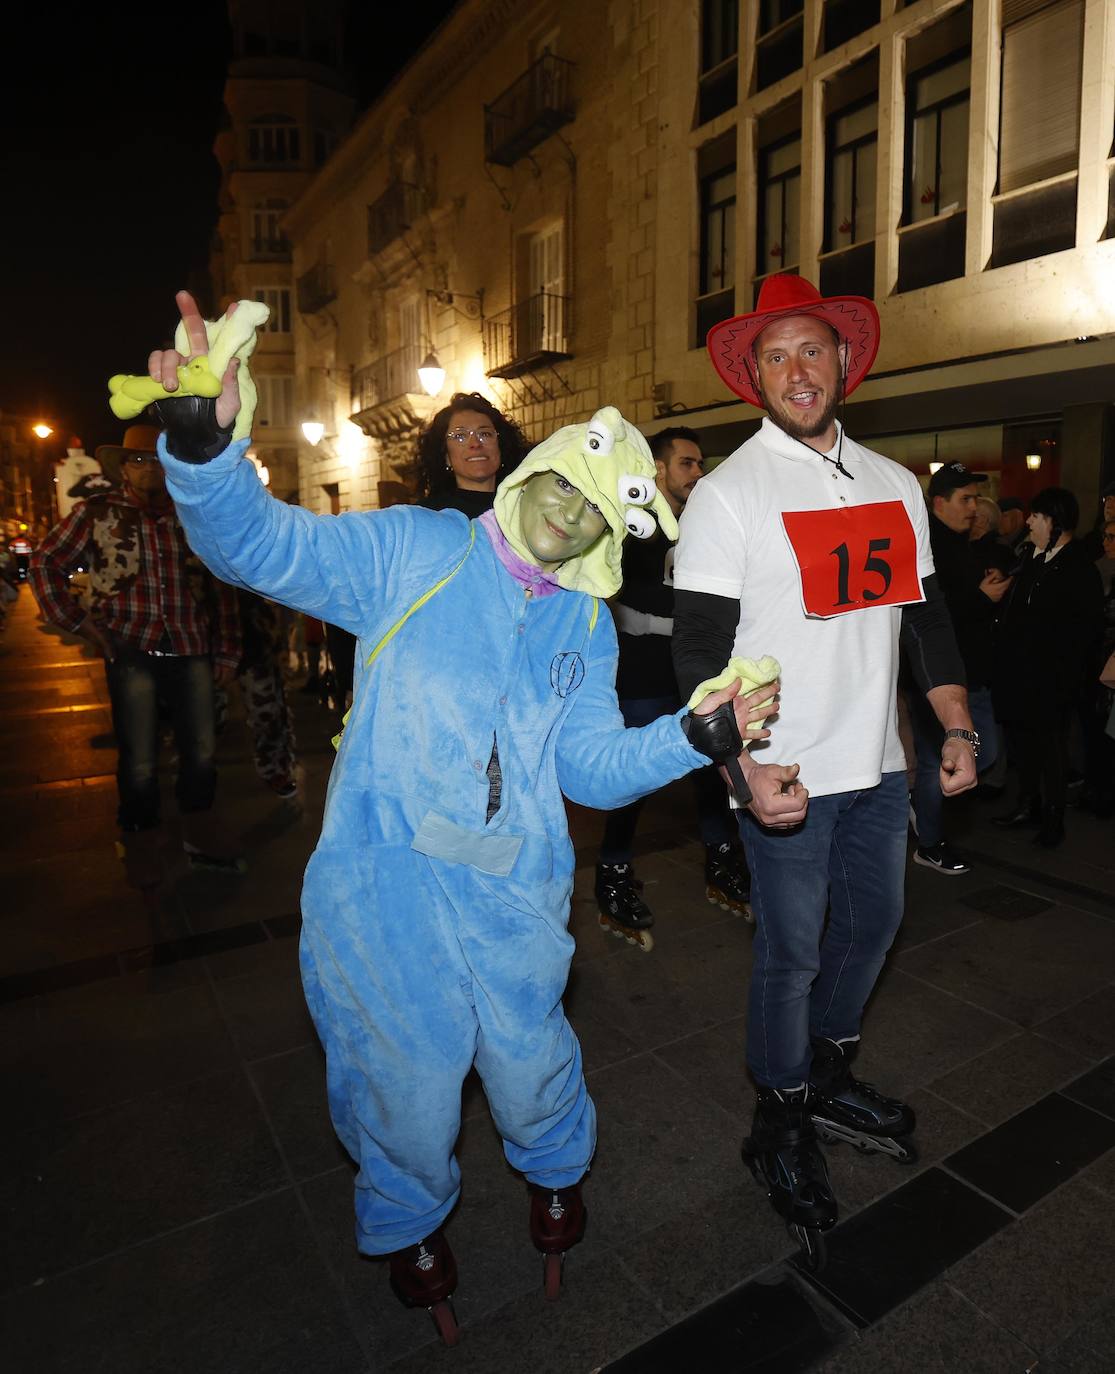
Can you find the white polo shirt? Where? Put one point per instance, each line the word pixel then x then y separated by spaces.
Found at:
pixel 821 564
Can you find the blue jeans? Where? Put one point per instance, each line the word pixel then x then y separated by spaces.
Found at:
pixel 714 818
pixel 928 799
pixel 138 685
pixel 809 977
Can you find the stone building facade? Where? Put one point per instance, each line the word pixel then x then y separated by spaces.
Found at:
pixel 558 200
pixel 949 158
pixel 495 206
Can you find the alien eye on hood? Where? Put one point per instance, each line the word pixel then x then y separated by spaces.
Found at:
pixel 639 523
pixel 635 490
pixel 600 438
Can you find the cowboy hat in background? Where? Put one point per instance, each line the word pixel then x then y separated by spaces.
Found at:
pixel 137 439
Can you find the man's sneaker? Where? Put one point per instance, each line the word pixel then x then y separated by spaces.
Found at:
pixel 940 857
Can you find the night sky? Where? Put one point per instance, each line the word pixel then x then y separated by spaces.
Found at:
pixel 109 185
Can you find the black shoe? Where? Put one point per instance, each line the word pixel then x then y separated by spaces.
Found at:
pixel 1026 813
pixel 940 857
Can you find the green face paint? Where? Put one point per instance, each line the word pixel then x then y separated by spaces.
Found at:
pixel 556 521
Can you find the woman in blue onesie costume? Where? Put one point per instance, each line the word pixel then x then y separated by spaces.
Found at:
pixel 436 903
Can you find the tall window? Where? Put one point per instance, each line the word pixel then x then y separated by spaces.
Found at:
pixel 1040 121
pixel 410 322
pixel 778 50
pixel 719 32
pixel 277 299
pixel 716 172
pixel 779 206
pixel 268 239
pixel 275 406
pixel 718 231
pixel 937 140
pixel 719 45
pixel 546 281
pixel 274 141
pixel 850 202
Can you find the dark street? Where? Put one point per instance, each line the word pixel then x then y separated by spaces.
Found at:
pixel 175 1200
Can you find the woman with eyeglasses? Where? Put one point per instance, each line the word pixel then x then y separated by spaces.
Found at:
pixel 464 451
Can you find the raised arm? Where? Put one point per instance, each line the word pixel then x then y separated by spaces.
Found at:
pixel 335 568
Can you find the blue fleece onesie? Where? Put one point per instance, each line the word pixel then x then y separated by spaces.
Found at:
pixel 433 939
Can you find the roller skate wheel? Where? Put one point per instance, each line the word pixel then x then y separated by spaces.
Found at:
pixel 445 1320
pixel 716 898
pixel 552 1266
pixel 811 1242
pixel 642 938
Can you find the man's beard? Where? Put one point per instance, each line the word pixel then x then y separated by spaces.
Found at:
pixel 807 427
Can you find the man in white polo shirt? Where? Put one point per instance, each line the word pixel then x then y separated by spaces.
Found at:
pixel 809 547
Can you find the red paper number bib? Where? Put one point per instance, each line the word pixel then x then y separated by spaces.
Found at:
pixel 854 557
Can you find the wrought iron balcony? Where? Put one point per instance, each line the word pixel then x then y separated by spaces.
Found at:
pixel 316 289
pixel 388 378
pixel 529 110
pixel 533 332
pixel 392 214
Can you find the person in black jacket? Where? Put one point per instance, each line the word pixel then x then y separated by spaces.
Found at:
pixel 972 592
pixel 647 688
pixel 1048 638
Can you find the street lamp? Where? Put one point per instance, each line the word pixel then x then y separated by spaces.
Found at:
pixel 313 431
pixel 41 430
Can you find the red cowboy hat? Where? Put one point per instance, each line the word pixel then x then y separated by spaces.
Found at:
pixel 731 344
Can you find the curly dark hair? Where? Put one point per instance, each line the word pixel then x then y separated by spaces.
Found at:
pixel 434 476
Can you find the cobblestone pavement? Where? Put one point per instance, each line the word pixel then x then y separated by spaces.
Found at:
pixel 174 1198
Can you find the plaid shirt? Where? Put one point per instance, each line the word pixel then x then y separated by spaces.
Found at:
pixel 146 585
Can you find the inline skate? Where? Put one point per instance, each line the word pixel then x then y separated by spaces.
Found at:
pixel 622 910
pixel 846 1110
pixel 557 1223
pixel 425 1275
pixel 728 879
pixel 782 1152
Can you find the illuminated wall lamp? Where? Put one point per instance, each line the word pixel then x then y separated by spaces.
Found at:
pixel 431 374
pixel 1033 461
pixel 935 467
pixel 313 431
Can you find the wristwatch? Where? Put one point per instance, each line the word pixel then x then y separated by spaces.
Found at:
pixel 969 735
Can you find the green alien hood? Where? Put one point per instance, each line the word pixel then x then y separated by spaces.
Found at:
pixel 609 463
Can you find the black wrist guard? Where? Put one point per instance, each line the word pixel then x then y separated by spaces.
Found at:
pixel 192 432
pixel 717 736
